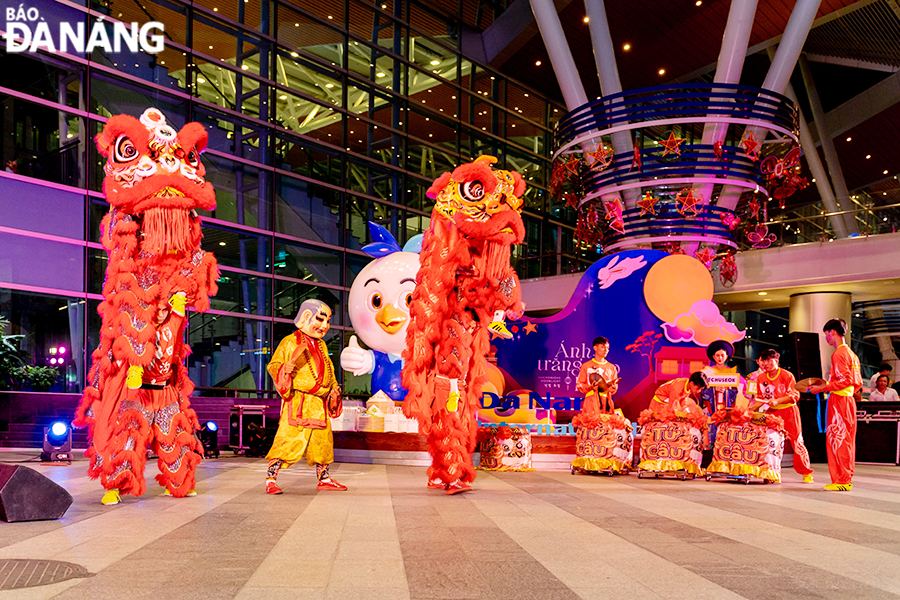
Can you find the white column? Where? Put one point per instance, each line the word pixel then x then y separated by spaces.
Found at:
pixel 608 72
pixel 779 73
pixel 728 70
pixel 560 55
pixel 810 312
pixel 808 144
pixel 831 157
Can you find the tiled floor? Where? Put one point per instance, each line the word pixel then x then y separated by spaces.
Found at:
pixel 542 536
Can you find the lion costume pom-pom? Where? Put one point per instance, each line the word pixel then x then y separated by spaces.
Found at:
pixel 464 282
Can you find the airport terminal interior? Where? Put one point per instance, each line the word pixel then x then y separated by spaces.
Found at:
pixel 676 174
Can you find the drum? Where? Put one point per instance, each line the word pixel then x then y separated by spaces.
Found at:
pixel 504 449
pixel 748 445
pixel 605 444
pixel 671 446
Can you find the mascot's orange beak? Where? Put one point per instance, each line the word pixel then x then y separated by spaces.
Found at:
pixel 390 318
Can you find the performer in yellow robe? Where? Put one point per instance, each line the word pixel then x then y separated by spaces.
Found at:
pixel 304 377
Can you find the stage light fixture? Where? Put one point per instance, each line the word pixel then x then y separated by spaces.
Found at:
pixel 209 437
pixel 57 443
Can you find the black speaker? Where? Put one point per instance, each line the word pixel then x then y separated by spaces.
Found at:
pixel 801 356
pixel 877 442
pixel 26 495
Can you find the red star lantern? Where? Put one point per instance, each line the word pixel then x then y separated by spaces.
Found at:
pixel 529 328
pixel 636 161
pixel 672 144
pixel 599 159
pixel 706 256
pixel 573 166
pixel 688 202
pixel 571 199
pixel 647 204
pixel 718 149
pixel 751 147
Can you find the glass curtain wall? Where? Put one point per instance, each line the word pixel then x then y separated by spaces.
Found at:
pixel 321 117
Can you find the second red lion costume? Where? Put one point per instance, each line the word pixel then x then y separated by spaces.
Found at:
pixel 464 287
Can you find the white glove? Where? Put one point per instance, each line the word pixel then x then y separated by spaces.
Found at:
pixel 357 360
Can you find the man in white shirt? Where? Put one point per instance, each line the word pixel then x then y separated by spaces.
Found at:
pixel 884 369
pixel 882 393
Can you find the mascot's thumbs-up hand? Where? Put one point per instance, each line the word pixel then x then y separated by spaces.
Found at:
pixel 357 360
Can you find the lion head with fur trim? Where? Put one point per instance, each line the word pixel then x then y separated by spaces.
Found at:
pixel 485 203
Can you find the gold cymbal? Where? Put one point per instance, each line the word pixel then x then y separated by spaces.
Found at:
pixel 804 384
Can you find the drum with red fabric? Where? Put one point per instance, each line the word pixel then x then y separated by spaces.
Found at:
pixel 747 445
pixel 504 448
pixel 672 443
pixel 604 443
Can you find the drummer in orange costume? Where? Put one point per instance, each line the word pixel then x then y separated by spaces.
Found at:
pixel 774 392
pixel 598 380
pixel 681 394
pixel 844 383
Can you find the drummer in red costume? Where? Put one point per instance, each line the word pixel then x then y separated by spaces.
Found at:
pixel 844 383
pixel 773 389
pixel 681 394
pixel 598 380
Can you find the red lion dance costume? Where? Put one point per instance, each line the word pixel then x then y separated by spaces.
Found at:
pixel 139 387
pixel 464 287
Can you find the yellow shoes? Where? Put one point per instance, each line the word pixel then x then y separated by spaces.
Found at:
pixel 839 487
pixel 499 329
pixel 189 494
pixel 808 478
pixel 110 497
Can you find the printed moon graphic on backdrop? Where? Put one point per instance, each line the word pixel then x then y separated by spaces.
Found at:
pixel 674 283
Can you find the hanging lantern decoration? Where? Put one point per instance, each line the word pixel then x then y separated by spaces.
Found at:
pixel 728 269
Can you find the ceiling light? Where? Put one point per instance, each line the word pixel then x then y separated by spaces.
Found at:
pixel 763 293
pixel 244 67
pixel 379 74
pixel 201 80
pixel 626 47
pixel 294 54
pixel 435 62
pixel 587 19
pixel 221 243
pixel 282 97
pixel 329 85
pixel 868 156
pixel 537 63
pixel 662 71
pixel 849 138
pixel 885 172
pixel 698 2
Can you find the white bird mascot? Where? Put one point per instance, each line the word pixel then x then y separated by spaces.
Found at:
pixel 379 311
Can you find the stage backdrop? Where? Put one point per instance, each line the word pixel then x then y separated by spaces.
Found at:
pixel 656 310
